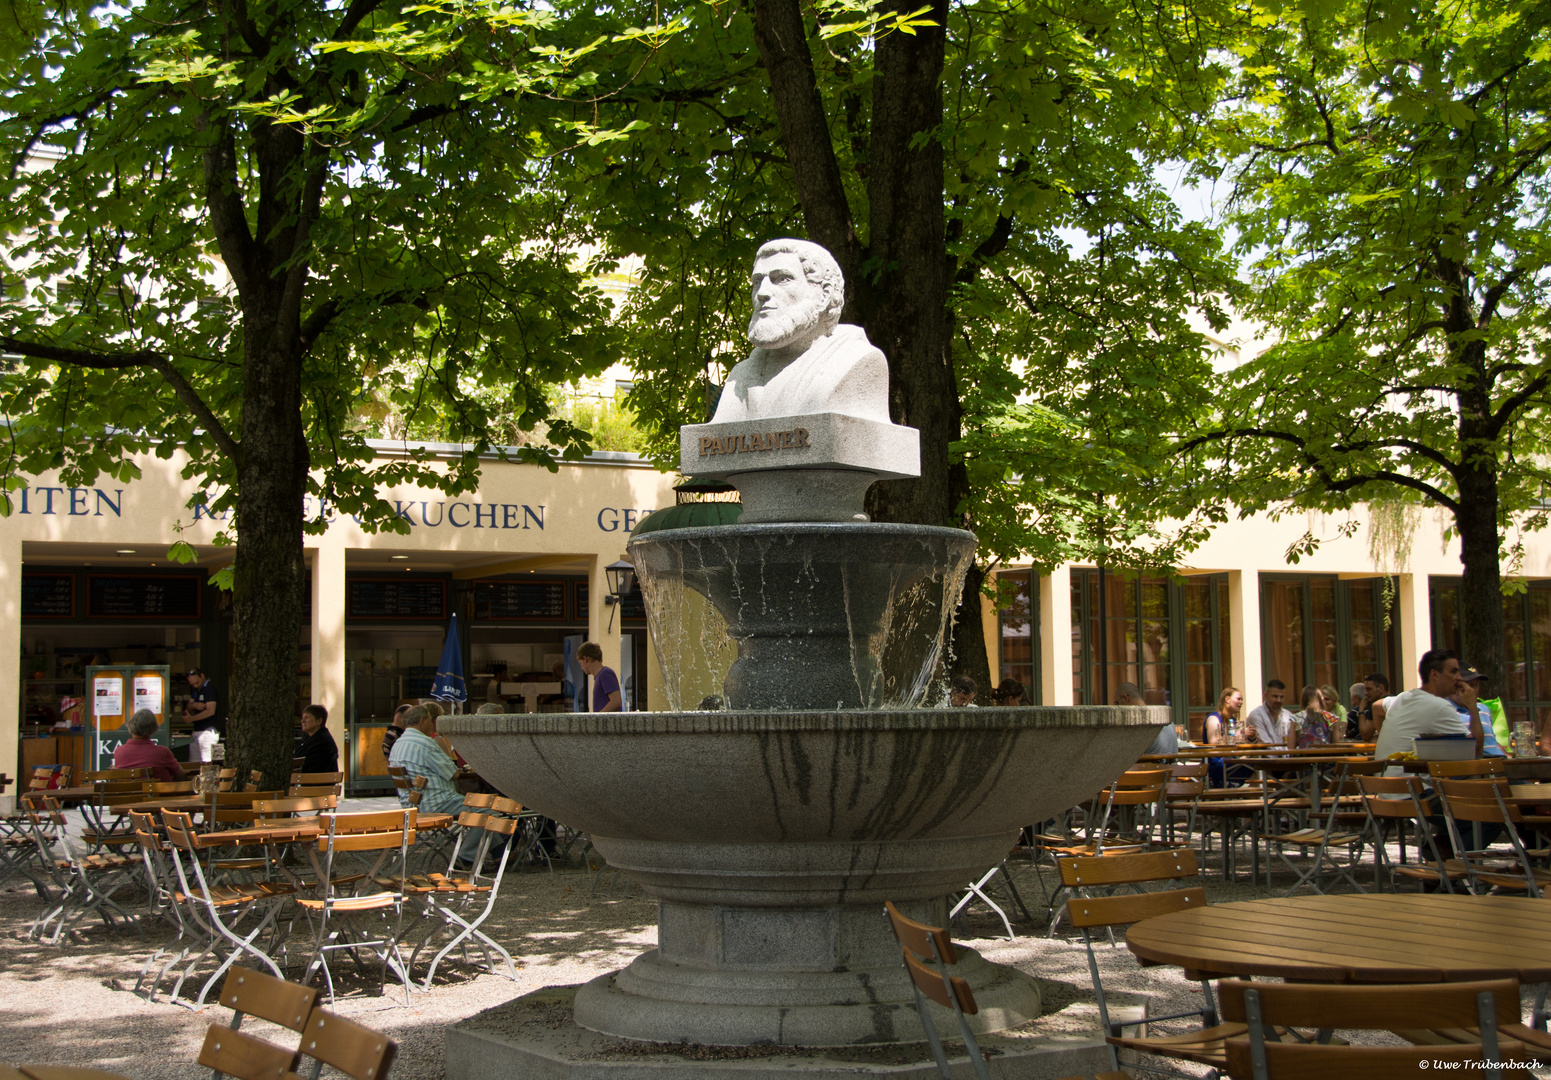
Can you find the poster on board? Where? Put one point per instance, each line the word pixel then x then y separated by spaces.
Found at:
pixel 109 693
pixel 148 693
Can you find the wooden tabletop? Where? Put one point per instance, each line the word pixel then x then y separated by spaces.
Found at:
pixel 1399 938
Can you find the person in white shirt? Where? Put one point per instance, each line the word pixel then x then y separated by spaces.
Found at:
pixel 1423 711
pixel 1270 724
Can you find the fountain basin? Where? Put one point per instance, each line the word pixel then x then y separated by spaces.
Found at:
pixel 772 840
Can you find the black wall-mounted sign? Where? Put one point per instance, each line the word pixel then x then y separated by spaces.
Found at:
pixel 143 596
pixel 48 596
pixel 634 606
pixel 527 601
pixel 397 598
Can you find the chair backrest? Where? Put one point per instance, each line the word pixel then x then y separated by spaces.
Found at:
pixel 316 779
pixel 170 787
pixel 1483 1005
pixel 1492 766
pixel 1479 800
pixel 244 1056
pixel 480 800
pixel 1141 778
pixel 1086 912
pixel 931 942
pixel 357 1051
pixel 253 993
pixel 417 789
pixel 290 807
pixel 180 830
pixel 1392 796
pixel 1188 770
pixel 42 777
pixel 317 791
pixel 91 776
pixel 1128 869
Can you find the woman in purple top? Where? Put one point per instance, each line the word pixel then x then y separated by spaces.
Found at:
pixel 139 752
pixel 605 684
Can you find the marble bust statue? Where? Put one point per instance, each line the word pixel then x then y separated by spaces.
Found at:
pixel 804 359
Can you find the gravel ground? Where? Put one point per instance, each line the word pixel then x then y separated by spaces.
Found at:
pixel 74 1005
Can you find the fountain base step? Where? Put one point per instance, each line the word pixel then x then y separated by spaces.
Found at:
pixel 535 1037
pixel 659 1001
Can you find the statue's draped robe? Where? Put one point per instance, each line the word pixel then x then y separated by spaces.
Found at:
pixel 842 372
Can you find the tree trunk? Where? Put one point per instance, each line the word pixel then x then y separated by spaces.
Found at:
pixel 269 572
pixel 1481 599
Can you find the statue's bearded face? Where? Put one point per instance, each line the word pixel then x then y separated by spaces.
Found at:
pixel 788 308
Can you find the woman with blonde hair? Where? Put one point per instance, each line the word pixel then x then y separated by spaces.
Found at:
pixel 1215 730
pixel 1315 724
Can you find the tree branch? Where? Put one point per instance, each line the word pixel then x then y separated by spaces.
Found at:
pixel 156 361
pixel 1505 412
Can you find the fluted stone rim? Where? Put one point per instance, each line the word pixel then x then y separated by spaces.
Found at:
pixel 1016 718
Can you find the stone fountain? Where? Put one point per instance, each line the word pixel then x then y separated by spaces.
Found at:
pixel 772 833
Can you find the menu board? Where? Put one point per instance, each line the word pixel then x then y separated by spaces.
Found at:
pixel 530 600
pixel 634 606
pixel 48 596
pixel 397 598
pixel 143 596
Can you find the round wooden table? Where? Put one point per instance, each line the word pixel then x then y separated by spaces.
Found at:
pixel 1376 938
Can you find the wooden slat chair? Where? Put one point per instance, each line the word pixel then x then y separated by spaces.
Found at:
pixel 1340 806
pixel 446 896
pixel 1471 769
pixel 235 809
pixel 1484 802
pixel 998 879
pixel 315 791
pixel 339 917
pixel 1235 814
pixel 252 993
pixel 316 779
pixel 1108 875
pixel 1203 1045
pixel 219 909
pixel 358 1052
pixel 1182 795
pixel 1139 791
pixel 1487 1007
pixel 86 882
pixel 1399 799
pixel 106 825
pixel 170 787
pixel 165 900
pixel 289 807
pixel 919 942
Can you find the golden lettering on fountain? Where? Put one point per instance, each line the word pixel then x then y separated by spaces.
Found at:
pixel 793 439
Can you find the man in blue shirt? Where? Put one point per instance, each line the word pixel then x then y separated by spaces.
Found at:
pixel 605 684
pixel 203 713
pixel 1467 699
pixel 420 755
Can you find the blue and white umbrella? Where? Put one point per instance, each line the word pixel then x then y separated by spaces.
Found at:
pixel 449 684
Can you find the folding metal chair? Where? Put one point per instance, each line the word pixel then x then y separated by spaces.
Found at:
pixel 1334 810
pixel 338 916
pixel 86 882
pixel 1400 799
pixel 1474 1013
pixel 218 910
pixel 446 896
pixel 246 992
pixel 918 942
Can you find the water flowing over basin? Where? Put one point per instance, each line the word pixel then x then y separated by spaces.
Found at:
pixel 823 616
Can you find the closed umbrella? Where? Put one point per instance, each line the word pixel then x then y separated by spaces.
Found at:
pixel 449 684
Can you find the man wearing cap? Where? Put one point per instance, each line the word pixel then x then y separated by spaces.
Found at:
pixel 202 711
pixel 1467 699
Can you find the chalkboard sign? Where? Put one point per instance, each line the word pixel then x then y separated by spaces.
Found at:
pixel 634 606
pixel 397 598
pixel 143 596
pixel 48 596
pixel 530 600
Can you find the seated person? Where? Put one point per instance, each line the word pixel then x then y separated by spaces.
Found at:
pixel 498 675
pixel 1008 692
pixel 1316 725
pixel 317 748
pixel 418 754
pixel 139 752
pixel 1167 740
